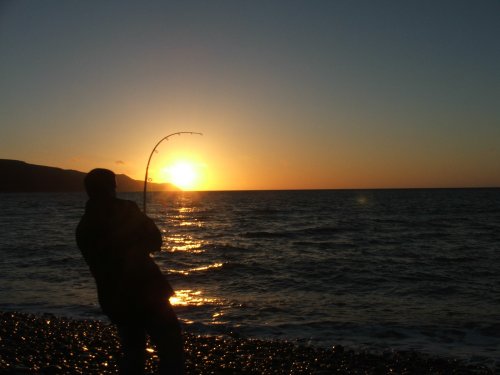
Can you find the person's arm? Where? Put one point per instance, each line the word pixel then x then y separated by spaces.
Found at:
pixel 148 233
pixel 133 230
pixel 152 235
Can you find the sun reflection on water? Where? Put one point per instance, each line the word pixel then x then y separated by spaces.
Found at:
pixel 179 242
pixel 196 269
pixel 189 297
pixel 190 224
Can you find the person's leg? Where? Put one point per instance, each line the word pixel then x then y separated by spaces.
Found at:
pixel 165 332
pixel 133 342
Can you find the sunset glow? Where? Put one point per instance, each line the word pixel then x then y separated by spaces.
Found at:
pixel 182 174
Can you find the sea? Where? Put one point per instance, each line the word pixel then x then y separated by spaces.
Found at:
pixel 375 270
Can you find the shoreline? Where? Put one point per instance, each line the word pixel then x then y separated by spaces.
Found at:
pixel 48 344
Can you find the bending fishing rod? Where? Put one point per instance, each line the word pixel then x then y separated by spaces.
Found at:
pixel 149 160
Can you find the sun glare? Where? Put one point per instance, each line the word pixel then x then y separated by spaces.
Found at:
pixel 182 174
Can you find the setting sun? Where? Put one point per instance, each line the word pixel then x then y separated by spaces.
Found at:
pixel 182 174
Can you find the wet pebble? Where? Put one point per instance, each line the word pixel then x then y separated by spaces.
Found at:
pixel 46 344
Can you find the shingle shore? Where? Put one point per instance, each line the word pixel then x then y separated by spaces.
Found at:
pixel 45 344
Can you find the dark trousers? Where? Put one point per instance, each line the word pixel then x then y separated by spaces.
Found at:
pixel 164 330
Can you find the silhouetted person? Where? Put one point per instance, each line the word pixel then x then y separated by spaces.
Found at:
pixel 116 238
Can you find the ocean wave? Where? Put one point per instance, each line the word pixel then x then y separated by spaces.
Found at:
pixel 266 234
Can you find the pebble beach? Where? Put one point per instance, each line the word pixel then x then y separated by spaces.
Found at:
pixel 46 344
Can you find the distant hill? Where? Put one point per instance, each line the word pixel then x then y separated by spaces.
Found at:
pixel 18 176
